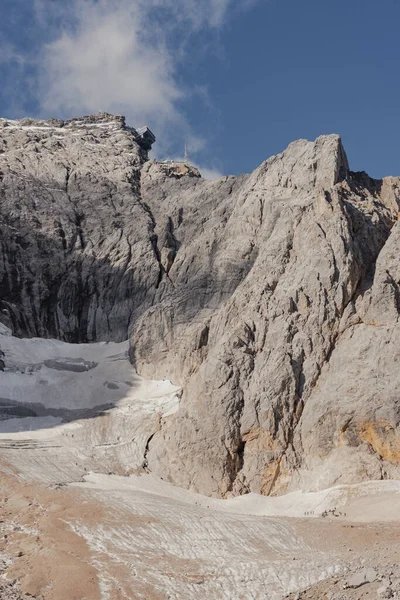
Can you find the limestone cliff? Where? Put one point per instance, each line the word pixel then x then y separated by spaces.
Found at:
pixel 272 298
pixel 71 264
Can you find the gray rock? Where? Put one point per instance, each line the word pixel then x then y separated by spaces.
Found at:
pixel 259 298
pixel 272 298
pixel 75 365
pixel 365 576
pixel 77 253
pixel 384 591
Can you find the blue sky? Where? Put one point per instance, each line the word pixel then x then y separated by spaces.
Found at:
pixel 237 79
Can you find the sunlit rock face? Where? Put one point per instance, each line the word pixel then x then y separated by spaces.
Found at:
pixel 272 299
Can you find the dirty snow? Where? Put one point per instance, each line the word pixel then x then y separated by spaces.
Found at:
pixel 79 415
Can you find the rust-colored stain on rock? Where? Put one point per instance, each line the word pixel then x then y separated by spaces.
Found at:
pixel 383 438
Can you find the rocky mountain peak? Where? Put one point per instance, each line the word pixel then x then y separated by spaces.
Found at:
pixel 98 126
pixel 99 119
pixel 308 165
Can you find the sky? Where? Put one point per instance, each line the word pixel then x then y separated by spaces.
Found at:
pixel 237 80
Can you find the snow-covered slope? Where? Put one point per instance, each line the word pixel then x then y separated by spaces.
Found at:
pixel 86 399
pixel 78 415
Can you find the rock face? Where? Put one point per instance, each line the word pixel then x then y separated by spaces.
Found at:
pixel 71 264
pixel 272 299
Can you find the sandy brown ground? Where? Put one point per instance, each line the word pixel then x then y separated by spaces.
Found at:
pixel 38 547
pixel 43 558
pixel 368 546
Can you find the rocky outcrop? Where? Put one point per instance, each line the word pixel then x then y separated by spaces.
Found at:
pixel 72 264
pixel 251 316
pixel 271 298
pixel 350 425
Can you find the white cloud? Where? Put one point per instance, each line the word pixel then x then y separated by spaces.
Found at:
pixel 103 65
pixel 210 173
pixel 100 62
pixel 122 56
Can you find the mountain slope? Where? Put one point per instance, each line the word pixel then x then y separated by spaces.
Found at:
pixel 272 299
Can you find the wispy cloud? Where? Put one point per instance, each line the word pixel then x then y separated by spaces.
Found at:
pixel 102 62
pixel 208 173
pixel 124 56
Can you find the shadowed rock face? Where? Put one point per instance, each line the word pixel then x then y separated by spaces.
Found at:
pixel 272 298
pixel 72 264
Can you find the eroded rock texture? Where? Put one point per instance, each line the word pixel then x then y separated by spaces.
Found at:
pixel 71 263
pixel 273 298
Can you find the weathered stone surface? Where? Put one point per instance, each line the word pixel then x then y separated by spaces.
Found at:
pixel 362 577
pixel 352 416
pixel 272 298
pixel 71 263
pixel 254 310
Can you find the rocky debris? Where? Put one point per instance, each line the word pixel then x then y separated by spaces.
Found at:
pixel 362 577
pixel 381 581
pixel 5 330
pixel 272 298
pixel 70 364
pixel 11 591
pixel 385 591
pixel 178 169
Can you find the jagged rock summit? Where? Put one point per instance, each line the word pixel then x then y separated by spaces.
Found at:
pixel 272 299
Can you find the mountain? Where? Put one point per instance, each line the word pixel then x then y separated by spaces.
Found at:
pixel 271 299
